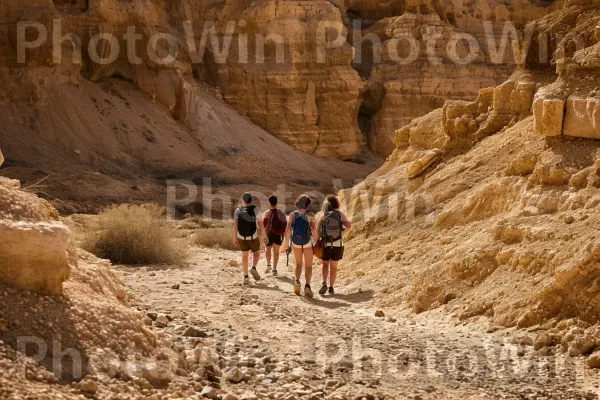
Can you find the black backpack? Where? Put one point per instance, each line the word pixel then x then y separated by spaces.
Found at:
pixel 332 227
pixel 247 221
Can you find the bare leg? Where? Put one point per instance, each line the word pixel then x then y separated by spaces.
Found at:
pixel 298 258
pixel 308 263
pixel 268 255
pixel 334 269
pixel 245 257
pixel 276 250
pixel 325 271
pixel 255 259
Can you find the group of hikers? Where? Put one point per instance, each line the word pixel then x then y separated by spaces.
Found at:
pixel 300 232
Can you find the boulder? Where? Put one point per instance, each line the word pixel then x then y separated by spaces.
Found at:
pixel 34 256
pixel 548 115
pixel 418 167
pixel 582 117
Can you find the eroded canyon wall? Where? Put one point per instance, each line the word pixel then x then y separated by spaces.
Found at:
pixel 295 68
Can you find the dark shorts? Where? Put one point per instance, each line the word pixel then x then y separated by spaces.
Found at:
pixel 250 245
pixel 274 240
pixel 333 253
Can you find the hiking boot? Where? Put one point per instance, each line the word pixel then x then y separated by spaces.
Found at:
pixel 331 291
pixel 323 289
pixel 308 292
pixel 268 269
pixel 255 274
pixel 246 281
pixel 297 288
pixel 274 272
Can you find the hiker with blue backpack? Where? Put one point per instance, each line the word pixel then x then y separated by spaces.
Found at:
pixel 331 226
pixel 301 229
pixel 247 228
pixel 275 222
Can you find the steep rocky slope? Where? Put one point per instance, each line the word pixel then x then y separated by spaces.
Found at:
pixel 498 221
pixel 54 331
pixel 129 126
pixel 287 65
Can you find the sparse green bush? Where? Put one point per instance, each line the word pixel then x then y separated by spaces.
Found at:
pixel 135 234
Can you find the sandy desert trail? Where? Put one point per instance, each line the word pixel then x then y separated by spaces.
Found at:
pixel 289 347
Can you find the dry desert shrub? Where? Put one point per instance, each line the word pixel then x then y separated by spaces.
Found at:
pixel 135 234
pixel 215 237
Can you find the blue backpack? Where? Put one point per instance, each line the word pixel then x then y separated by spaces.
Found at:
pixel 301 234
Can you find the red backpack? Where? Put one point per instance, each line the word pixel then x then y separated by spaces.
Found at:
pixel 277 223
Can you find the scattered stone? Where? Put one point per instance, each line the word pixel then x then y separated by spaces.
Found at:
pixel 194 333
pixel 209 392
pixel 175 287
pixel 234 263
pixel 379 314
pixel 594 361
pixel 360 274
pixel 162 320
pixel 88 386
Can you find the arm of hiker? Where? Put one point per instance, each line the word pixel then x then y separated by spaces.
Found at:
pixel 236 242
pixel 288 232
pixel 319 229
pixel 345 221
pixel 313 226
pixel 260 222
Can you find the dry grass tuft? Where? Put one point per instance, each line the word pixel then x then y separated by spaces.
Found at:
pixel 135 234
pixel 221 237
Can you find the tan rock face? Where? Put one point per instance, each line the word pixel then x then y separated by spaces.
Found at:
pixel 442 67
pixel 36 251
pixel 300 78
pixel 582 118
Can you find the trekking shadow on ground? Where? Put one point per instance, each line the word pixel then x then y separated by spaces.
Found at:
pixel 266 286
pixel 331 304
pixel 285 279
pixel 357 297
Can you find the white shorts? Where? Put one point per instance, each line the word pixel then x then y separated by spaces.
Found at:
pixel 308 245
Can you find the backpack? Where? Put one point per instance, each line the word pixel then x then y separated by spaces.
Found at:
pixel 301 234
pixel 277 223
pixel 332 227
pixel 247 221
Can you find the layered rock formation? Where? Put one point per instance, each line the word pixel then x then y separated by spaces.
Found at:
pixel 285 64
pixel 36 250
pixel 483 218
pixel 457 50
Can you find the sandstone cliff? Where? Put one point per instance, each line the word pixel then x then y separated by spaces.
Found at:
pixel 290 66
pixel 488 209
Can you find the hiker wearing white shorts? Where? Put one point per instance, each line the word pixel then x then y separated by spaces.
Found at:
pixel 300 232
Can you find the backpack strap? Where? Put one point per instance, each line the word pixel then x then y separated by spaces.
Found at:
pixel 270 224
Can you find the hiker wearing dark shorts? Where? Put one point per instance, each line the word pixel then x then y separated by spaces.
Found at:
pixel 300 232
pixel 247 224
pixel 331 225
pixel 275 223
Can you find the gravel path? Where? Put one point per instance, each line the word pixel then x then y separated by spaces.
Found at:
pixel 282 346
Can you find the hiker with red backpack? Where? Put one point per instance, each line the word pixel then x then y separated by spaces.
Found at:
pixel 275 222
pixel 247 224
pixel 331 226
pixel 301 229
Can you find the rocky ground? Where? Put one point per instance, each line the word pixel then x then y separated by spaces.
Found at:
pixel 270 343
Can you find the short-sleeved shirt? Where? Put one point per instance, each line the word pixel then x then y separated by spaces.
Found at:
pixel 257 212
pixel 236 215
